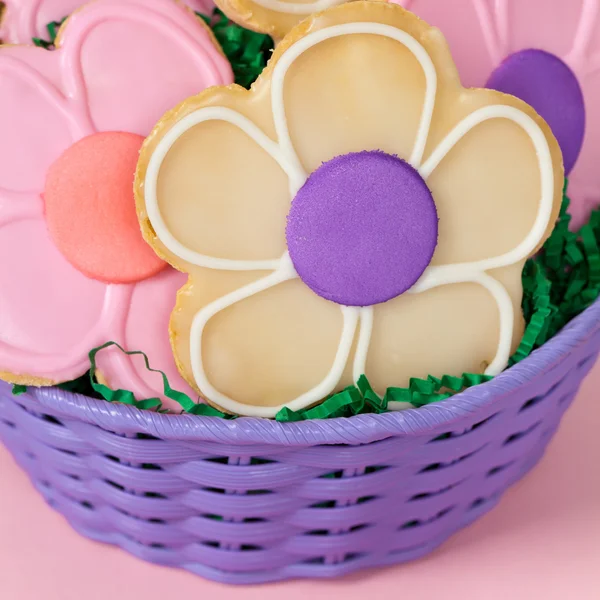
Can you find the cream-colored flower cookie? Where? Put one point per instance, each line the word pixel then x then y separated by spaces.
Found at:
pixel 275 17
pixel 358 211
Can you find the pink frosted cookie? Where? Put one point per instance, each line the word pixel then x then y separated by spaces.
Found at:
pixel 26 19
pixel 75 272
pixel 547 52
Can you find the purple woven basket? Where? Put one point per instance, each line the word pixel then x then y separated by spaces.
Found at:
pixel 251 500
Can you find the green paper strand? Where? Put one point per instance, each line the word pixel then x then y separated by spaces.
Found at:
pixel 52 29
pixel 247 51
pixel 126 397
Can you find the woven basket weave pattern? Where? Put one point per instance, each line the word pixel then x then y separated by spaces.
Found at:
pixel 248 501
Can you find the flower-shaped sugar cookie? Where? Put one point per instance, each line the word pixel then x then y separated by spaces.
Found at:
pixel 75 271
pixel 546 52
pixel 23 20
pixel 275 17
pixel 358 211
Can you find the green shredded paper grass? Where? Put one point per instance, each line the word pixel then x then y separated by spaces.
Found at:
pixel 559 283
pixel 247 51
pixel 52 29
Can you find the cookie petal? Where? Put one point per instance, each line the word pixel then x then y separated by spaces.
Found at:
pixel 323 98
pixel 447 330
pixel 469 29
pixel 134 60
pixel 146 328
pixel 215 192
pixel 26 19
pixel 500 210
pixel 50 314
pixel 33 117
pixel 279 345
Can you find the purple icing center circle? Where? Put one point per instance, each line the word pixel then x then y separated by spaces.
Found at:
pixel 362 229
pixel 546 83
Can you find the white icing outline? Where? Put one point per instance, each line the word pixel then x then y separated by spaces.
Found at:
pixel 311 40
pixel 364 341
pixel 533 130
pixel 285 272
pixel 284 154
pixel 211 113
pixel 294 8
pixel 437 276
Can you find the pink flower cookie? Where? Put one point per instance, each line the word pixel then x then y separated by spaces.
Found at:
pixel 356 212
pixel 547 52
pixel 25 19
pixel 75 272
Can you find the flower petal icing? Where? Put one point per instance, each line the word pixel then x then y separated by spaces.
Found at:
pixel 264 353
pixel 50 314
pixel 458 329
pixel 154 296
pixel 33 118
pixel 188 199
pixel 132 58
pixel 318 109
pixel 26 19
pixel 51 329
pixel 511 173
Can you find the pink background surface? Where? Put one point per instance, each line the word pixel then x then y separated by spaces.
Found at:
pixel 542 541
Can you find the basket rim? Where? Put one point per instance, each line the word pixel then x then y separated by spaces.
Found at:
pixel 359 429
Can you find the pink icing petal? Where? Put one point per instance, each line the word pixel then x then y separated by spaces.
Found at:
pixel 469 30
pixel 26 19
pixel 147 328
pixel 137 59
pixel 33 117
pixel 50 314
pixel 549 25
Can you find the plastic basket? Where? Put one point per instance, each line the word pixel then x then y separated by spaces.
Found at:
pixel 250 500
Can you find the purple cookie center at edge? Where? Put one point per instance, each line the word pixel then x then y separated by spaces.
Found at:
pixel 362 229
pixel 546 83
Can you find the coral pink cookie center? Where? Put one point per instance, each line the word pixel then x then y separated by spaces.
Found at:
pixel 90 209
